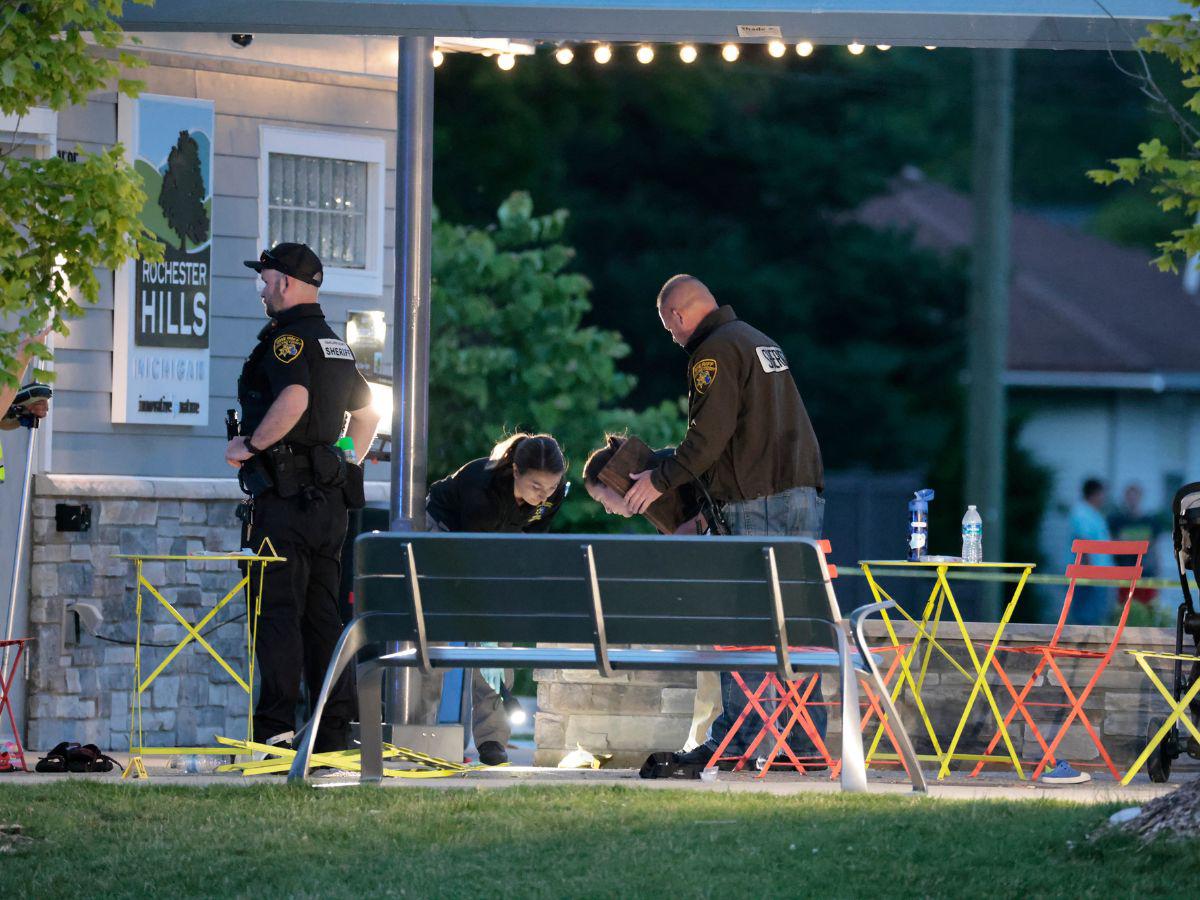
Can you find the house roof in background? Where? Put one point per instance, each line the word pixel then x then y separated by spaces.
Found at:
pixel 1080 305
pixel 1051 24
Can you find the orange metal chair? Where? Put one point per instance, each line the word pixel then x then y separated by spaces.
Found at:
pixel 782 696
pixel 1048 655
pixel 7 679
pixel 795 698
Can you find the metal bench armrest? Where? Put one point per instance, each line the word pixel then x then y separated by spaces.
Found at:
pixel 858 620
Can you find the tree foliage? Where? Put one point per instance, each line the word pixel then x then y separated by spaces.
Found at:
pixel 748 177
pixel 1174 175
pixel 60 221
pixel 509 351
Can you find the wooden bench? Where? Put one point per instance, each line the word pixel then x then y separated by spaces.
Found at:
pixel 659 597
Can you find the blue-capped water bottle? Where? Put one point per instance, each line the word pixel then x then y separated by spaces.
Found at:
pixel 918 524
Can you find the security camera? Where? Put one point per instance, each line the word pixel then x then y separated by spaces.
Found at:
pixel 242 40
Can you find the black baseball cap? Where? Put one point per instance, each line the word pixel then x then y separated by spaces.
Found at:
pixel 296 260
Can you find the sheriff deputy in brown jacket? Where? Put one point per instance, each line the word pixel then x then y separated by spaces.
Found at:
pixel 749 442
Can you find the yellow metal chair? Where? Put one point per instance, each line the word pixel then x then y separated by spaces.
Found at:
pixel 260 560
pixel 1179 707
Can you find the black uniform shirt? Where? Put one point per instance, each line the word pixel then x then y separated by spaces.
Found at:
pixel 298 347
pixel 476 498
pixel 748 433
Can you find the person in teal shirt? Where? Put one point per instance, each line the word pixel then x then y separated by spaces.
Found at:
pixel 1090 605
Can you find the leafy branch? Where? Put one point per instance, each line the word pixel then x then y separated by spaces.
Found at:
pixel 61 221
pixel 1175 179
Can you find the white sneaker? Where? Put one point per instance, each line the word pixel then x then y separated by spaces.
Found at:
pixel 283 739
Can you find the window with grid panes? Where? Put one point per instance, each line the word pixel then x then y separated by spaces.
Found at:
pixel 321 202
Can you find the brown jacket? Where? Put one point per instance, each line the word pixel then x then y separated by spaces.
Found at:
pixel 748 432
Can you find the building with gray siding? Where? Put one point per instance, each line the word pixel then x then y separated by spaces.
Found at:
pixel 326 104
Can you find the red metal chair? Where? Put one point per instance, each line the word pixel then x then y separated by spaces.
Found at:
pixel 6 682
pixel 795 698
pixel 1049 654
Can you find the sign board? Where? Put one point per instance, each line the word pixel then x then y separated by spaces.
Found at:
pixel 162 312
pixel 759 31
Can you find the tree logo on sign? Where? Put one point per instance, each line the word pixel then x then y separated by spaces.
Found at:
pixel 182 196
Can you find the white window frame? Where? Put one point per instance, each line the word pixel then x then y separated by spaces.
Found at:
pixel 38 128
pixel 365 282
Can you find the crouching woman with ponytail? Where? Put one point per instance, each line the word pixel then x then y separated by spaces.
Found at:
pixel 518 487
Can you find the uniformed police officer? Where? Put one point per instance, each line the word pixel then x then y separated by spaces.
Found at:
pixel 749 438
pixel 295 390
pixel 517 488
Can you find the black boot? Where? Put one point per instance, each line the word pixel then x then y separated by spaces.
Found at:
pixel 492 753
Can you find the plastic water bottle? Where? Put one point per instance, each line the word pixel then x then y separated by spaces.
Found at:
pixel 918 525
pixel 346 445
pixel 972 536
pixel 196 763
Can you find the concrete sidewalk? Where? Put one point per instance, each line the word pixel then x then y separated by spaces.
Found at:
pixel 996 786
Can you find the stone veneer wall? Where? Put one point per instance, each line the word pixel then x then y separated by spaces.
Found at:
pixel 637 713
pixel 82 691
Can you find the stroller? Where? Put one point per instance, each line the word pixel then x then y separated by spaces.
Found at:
pixel 1185 527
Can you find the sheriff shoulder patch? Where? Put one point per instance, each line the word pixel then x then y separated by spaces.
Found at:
pixel 287 348
pixel 771 359
pixel 704 373
pixel 335 349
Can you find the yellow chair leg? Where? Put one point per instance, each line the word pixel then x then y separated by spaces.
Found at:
pixel 1177 713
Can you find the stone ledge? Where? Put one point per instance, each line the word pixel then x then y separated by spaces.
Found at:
pixel 77 486
pixel 1082 636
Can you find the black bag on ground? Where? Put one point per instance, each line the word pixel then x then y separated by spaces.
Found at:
pixel 667 765
pixel 56 760
pixel 69 756
pixel 89 758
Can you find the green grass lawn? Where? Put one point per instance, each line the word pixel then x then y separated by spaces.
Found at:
pixel 93 840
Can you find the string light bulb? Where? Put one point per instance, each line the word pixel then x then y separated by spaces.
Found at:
pixel 730 52
pixel 883 47
pixel 804 48
pixel 645 54
pixel 687 54
pixel 777 48
pixel 855 48
pixel 438 58
pixel 602 54
pixel 506 61
pixel 564 55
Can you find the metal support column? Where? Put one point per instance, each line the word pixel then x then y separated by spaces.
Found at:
pixel 410 333
pixel 987 319
pixel 10 619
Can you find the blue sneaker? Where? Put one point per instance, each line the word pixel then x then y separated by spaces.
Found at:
pixel 1063 773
